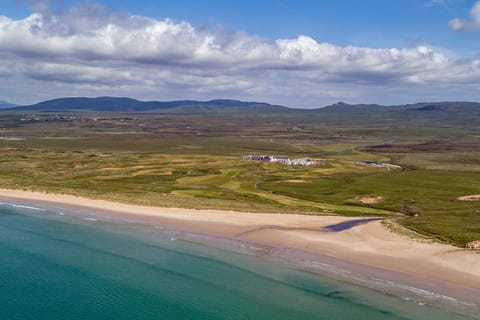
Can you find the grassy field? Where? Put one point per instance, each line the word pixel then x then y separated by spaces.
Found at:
pixel 168 180
pixel 195 161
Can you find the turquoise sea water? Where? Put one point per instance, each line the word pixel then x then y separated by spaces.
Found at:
pixel 66 264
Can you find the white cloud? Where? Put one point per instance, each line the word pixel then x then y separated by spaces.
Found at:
pixel 471 24
pixel 90 50
pixel 442 3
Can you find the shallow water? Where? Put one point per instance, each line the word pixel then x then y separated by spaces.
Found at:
pixel 63 264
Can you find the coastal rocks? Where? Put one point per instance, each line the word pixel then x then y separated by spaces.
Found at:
pixel 474 245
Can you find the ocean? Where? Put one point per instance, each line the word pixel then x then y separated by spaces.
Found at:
pixel 59 263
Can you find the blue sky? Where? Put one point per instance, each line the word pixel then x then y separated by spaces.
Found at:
pixel 369 24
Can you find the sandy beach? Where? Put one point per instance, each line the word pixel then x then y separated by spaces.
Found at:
pixel 370 246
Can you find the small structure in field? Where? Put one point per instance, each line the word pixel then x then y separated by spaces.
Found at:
pixel 284 160
pixel 305 162
pixel 257 158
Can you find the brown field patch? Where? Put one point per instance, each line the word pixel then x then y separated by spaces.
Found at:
pixel 296 181
pixel 473 197
pixel 370 199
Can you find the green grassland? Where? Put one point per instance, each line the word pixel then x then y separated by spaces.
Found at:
pixel 194 161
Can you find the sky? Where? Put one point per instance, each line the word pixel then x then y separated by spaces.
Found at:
pixel 303 53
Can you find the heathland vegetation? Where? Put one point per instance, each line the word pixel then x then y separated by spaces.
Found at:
pixel 187 157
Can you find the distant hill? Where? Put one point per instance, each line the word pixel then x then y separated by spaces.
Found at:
pixel 341 107
pixel 6 105
pixel 441 113
pixel 120 104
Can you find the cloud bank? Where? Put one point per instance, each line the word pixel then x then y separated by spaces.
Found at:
pixel 89 50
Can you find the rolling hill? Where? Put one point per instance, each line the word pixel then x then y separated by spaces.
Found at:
pixel 122 104
pixel 439 113
pixel 6 105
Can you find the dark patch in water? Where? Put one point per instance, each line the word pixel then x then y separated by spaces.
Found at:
pixel 348 224
pixel 335 293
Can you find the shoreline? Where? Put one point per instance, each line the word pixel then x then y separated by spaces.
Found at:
pixel 370 248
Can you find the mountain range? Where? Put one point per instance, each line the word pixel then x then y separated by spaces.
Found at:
pixel 123 104
pixel 441 113
pixel 458 114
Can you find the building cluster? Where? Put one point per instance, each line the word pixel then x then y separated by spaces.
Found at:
pixel 70 118
pixel 283 160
